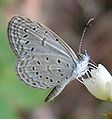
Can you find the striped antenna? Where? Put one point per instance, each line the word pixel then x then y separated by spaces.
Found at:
pixel 83 34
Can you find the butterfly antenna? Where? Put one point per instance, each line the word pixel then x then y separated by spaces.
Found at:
pixel 83 34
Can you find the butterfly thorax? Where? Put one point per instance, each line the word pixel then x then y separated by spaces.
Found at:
pixel 82 65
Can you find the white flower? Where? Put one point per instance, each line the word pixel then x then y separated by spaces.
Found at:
pixel 100 85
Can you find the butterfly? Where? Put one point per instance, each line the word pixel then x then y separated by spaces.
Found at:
pixel 44 60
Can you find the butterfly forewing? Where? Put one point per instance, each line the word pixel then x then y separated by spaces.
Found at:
pixel 27 37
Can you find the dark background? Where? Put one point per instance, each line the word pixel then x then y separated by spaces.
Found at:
pixel 68 19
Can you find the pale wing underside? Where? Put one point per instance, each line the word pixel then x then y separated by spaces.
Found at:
pixel 45 60
pixel 27 37
pixel 44 71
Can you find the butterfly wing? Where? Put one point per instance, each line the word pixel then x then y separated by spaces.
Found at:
pixel 44 71
pixel 45 60
pixel 27 37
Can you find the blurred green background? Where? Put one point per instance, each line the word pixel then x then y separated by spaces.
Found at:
pixel 67 18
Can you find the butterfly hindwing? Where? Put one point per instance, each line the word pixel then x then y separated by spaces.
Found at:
pixel 44 71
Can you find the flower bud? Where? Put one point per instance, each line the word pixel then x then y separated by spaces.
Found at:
pixel 100 84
